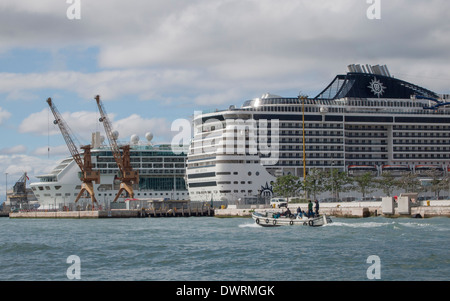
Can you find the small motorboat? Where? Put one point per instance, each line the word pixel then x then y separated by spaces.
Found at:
pixel 275 219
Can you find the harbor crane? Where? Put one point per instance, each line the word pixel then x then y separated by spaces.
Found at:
pixel 19 196
pixel 87 175
pixel 127 175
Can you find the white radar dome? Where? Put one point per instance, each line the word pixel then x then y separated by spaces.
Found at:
pixel 134 139
pixel 115 135
pixel 149 136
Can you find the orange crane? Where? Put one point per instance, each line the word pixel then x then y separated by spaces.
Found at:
pixel 127 175
pixel 87 176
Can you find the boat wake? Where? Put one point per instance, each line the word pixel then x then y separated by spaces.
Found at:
pixel 252 225
pixel 360 225
pixel 396 224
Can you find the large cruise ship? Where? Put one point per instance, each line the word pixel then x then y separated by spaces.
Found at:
pixel 364 120
pixel 161 175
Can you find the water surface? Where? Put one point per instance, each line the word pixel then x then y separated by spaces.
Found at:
pixel 224 249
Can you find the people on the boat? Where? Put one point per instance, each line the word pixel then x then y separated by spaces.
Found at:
pixel 310 209
pixel 286 213
pixel 299 212
pixel 317 207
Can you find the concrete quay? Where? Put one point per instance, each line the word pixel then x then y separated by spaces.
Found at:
pixel 341 209
pixel 346 209
pixel 59 214
pixel 115 213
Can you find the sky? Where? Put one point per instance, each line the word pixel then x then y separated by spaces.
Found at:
pixel 153 62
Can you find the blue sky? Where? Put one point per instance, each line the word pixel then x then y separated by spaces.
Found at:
pixel 156 61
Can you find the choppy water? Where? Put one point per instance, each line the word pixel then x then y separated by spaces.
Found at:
pixel 230 249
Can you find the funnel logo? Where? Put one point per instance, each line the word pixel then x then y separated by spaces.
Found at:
pixel 377 87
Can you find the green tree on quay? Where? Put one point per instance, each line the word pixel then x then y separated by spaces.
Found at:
pixel 337 181
pixel 314 182
pixel 387 182
pixel 437 182
pixel 410 183
pixel 364 183
pixel 287 186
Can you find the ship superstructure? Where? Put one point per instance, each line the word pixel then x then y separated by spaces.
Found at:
pixel 364 120
pixel 161 175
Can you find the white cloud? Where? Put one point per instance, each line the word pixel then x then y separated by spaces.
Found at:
pixel 14 149
pixel 110 84
pixel 53 151
pixel 201 34
pixel 135 124
pixel 158 49
pixel 82 124
pixel 16 165
pixel 4 115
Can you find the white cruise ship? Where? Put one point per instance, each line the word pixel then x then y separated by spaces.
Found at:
pixel 161 176
pixel 364 120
